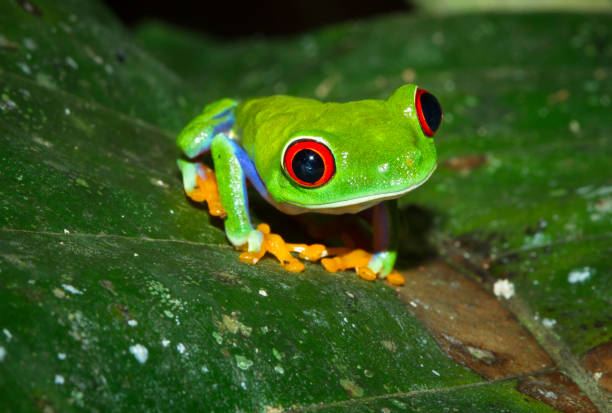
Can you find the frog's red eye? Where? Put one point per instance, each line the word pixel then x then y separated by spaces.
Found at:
pixel 429 111
pixel 309 163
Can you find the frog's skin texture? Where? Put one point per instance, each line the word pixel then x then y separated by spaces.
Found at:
pixel 374 151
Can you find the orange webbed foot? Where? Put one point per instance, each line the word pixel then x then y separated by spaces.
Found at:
pixel 206 190
pixel 359 259
pixel 275 245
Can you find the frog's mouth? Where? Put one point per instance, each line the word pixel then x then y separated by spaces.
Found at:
pixel 349 206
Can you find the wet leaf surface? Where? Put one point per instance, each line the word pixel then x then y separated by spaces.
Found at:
pixel 80 47
pixel 119 294
pixel 136 324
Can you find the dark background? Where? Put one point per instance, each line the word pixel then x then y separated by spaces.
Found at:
pixel 231 19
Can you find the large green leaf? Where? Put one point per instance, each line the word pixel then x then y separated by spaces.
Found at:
pixel 118 294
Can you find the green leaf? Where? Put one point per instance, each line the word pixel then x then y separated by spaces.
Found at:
pixel 80 48
pixel 119 294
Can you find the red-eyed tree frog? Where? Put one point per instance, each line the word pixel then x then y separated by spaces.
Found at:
pixel 303 155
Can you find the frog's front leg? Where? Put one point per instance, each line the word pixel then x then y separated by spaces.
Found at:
pixel 195 139
pixel 232 192
pixel 232 166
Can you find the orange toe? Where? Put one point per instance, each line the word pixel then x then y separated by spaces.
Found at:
pixel 366 273
pixel 395 278
pixel 307 252
pixel 354 259
pixel 332 264
pixel 250 257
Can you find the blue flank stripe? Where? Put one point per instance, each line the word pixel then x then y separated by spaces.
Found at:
pixel 249 170
pixel 225 126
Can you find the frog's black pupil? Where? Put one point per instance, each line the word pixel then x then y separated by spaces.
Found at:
pixel 432 112
pixel 308 166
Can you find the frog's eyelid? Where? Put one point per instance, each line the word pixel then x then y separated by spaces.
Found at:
pixel 303 138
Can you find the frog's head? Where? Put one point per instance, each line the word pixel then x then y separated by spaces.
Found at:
pixel 347 157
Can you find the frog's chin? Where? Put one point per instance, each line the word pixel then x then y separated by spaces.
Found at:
pixel 349 206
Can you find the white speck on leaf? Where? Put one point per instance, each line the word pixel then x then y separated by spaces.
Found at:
pixel 580 275
pixel 71 289
pixel 548 394
pixel 59 379
pixel 436 373
pixel 536 240
pixel 549 322
pixel 59 293
pixel 29 44
pixel 132 323
pixel 180 347
pixel 165 342
pixel 70 62
pixel 67 111
pixel 158 182
pixel 574 126
pixel 503 288
pixel 140 352
pixel 61 356
pixel 66 232
pixel 24 68
pixel 263 293
pixel 8 334
pixel 2 354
